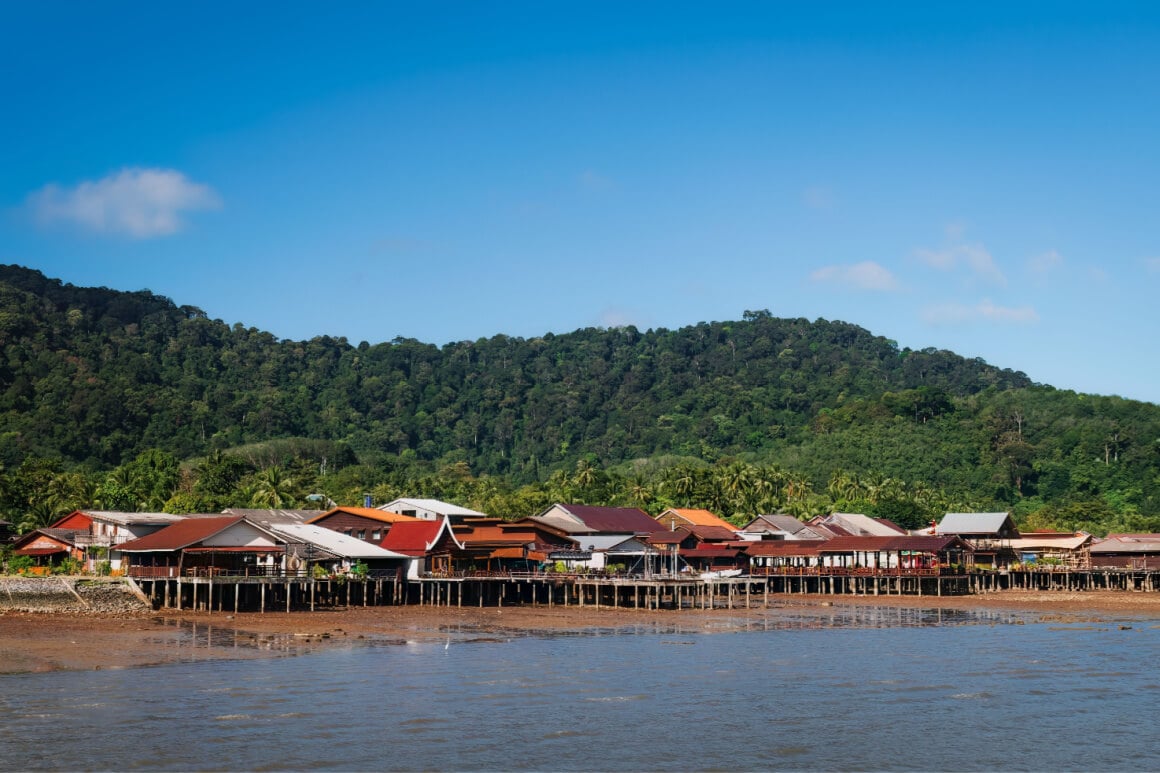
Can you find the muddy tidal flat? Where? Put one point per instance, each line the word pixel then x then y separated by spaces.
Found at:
pixel 40 642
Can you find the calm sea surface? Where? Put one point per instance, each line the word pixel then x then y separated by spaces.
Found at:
pixel 853 689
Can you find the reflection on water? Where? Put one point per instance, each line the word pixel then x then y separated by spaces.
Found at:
pixel 833 688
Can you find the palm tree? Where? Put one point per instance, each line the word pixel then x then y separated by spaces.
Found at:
pixel 272 488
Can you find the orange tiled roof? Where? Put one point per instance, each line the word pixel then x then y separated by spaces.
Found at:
pixel 366 512
pixel 699 518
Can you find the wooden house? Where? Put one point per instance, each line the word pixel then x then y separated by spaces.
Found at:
pixel 989 533
pixel 902 553
pixel 100 533
pixel 430 546
pixel 590 519
pixel 366 523
pixel 491 544
pixel 783 556
pixel 308 546
pixel 1126 551
pixel 206 547
pixel 857 525
pixel 697 548
pixel 783 527
pixel 48 546
pixel 1071 550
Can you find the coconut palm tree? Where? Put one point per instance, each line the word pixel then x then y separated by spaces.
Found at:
pixel 272 488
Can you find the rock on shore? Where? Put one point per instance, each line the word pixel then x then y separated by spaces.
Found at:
pixel 70 595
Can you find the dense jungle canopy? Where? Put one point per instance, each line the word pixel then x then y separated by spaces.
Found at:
pixel 125 400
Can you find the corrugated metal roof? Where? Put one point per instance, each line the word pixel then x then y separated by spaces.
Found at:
pixel 1127 543
pixel 181 534
pixel 434 505
pixel 135 519
pixel 333 541
pixel 892 544
pixel 714 533
pixel 267 517
pixel 857 524
pixel 1032 541
pixel 974 523
pixel 622 520
pixel 784 548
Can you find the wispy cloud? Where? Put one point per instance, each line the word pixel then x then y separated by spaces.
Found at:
pixel 818 197
pixel 595 182
pixel 973 257
pixel 141 203
pixel 985 311
pixel 613 317
pixel 1044 263
pixel 866 275
pixel 1152 264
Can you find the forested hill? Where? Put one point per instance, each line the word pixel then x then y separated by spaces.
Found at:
pixel 95 377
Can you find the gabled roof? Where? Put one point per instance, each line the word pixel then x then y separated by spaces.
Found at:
pixel 629 547
pixel 66 538
pixel 434 505
pixel 784 548
pixel 1127 543
pixel 415 538
pixel 332 541
pixel 714 533
pixel 667 537
pixel 857 524
pixel 612 520
pixel 696 518
pixel 975 523
pixel 372 513
pixel 184 533
pixel 893 544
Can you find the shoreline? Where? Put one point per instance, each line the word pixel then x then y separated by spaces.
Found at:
pixel 36 642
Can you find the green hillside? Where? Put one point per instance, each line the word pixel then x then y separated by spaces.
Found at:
pixel 103 393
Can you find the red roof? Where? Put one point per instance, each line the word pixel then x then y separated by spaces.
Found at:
pixel 784 547
pixel 181 534
pixel 411 538
pixel 889 544
pixel 710 552
pixel 614 520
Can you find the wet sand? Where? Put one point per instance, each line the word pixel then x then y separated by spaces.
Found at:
pixel 48 642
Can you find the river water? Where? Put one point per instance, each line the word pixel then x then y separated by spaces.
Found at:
pixel 856 688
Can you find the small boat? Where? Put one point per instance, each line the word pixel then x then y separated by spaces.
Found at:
pixel 721 575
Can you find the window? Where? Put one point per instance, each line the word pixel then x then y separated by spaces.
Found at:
pixel 362 534
pixel 376 535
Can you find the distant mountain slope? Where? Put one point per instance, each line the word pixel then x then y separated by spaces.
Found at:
pixel 95 376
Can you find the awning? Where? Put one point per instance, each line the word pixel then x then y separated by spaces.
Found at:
pixel 570 555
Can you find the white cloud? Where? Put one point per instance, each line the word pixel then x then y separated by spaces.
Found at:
pixel 1045 263
pixel 958 313
pixel 142 203
pixel 866 275
pixel 1153 264
pixel 974 257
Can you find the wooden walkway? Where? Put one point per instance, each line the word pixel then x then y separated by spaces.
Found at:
pixel 277 594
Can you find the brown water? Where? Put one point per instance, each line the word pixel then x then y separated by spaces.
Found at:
pixel 856 688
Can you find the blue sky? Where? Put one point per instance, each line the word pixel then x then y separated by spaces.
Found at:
pixel 974 177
